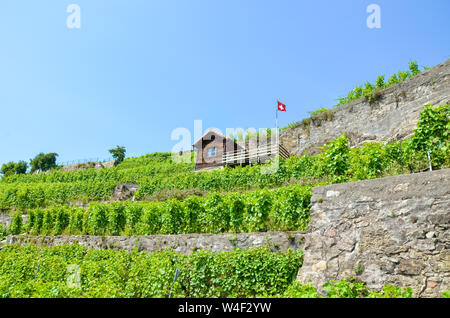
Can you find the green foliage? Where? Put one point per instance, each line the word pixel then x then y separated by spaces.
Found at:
pixel 3 232
pixel 373 91
pixel 414 68
pixel 298 290
pixel 76 220
pixel 433 134
pixel 127 172
pixel 446 294
pixel 215 217
pixel 257 272
pixel 33 195
pixel 117 218
pixel 335 156
pixel 263 135
pixel 393 80
pixel 291 209
pixel 97 219
pixel 280 209
pixel 380 82
pixel 109 273
pixel 346 288
pixel 318 111
pixel 21 167
pixel 12 168
pixel 368 161
pixel 291 125
pixel 374 96
pixel 8 169
pixel 390 291
pixel 118 153
pixel 148 160
pixel 157 174
pixel 133 214
pixel 44 162
pixel 172 217
pixel 16 224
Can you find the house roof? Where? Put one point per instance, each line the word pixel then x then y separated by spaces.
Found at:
pixel 210 132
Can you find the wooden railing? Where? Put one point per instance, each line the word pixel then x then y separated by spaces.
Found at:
pixel 256 154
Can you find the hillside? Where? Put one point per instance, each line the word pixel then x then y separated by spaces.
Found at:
pixel 172 199
pixel 388 111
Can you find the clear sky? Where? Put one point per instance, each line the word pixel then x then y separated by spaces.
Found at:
pixel 136 70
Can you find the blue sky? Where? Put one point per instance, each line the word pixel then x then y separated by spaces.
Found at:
pixel 136 70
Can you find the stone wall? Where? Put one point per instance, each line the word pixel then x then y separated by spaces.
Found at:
pixel 393 116
pixel 5 219
pixel 392 230
pixel 89 165
pixel 185 243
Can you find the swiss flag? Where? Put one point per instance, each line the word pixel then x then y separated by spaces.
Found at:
pixel 281 107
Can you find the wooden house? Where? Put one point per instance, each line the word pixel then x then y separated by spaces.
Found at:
pixel 210 149
pixel 216 150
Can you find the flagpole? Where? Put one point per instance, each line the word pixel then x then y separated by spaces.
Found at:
pixel 276 116
pixel 276 125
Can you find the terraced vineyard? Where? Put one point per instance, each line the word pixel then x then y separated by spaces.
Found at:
pixel 172 199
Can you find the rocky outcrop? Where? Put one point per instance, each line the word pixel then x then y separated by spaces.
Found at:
pixel 124 191
pixel 183 243
pixel 392 116
pixel 6 218
pixel 392 230
pixel 89 165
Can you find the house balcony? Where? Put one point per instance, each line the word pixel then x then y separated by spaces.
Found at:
pixel 257 154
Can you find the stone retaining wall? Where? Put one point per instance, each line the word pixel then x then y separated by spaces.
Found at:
pixel 392 117
pixel 184 243
pixel 392 230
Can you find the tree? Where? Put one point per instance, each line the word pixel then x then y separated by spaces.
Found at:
pixel 336 156
pixel 118 154
pixel 44 162
pixel 21 167
pixel 433 133
pixel 414 68
pixel 11 168
pixel 8 169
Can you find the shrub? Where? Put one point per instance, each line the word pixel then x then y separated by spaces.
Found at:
pixel 172 217
pixel 3 232
pixel 11 168
pixel 368 161
pixel 116 218
pixel 317 111
pixel 433 134
pixel 298 290
pixel 284 208
pixel 16 224
pixel 336 156
pixel 151 220
pixel 346 288
pixel 390 291
pixel 109 273
pixel 118 154
pixel 96 221
pixel 44 162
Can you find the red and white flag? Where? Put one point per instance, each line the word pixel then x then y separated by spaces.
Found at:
pixel 281 107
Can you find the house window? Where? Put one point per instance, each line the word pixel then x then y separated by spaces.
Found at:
pixel 212 152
